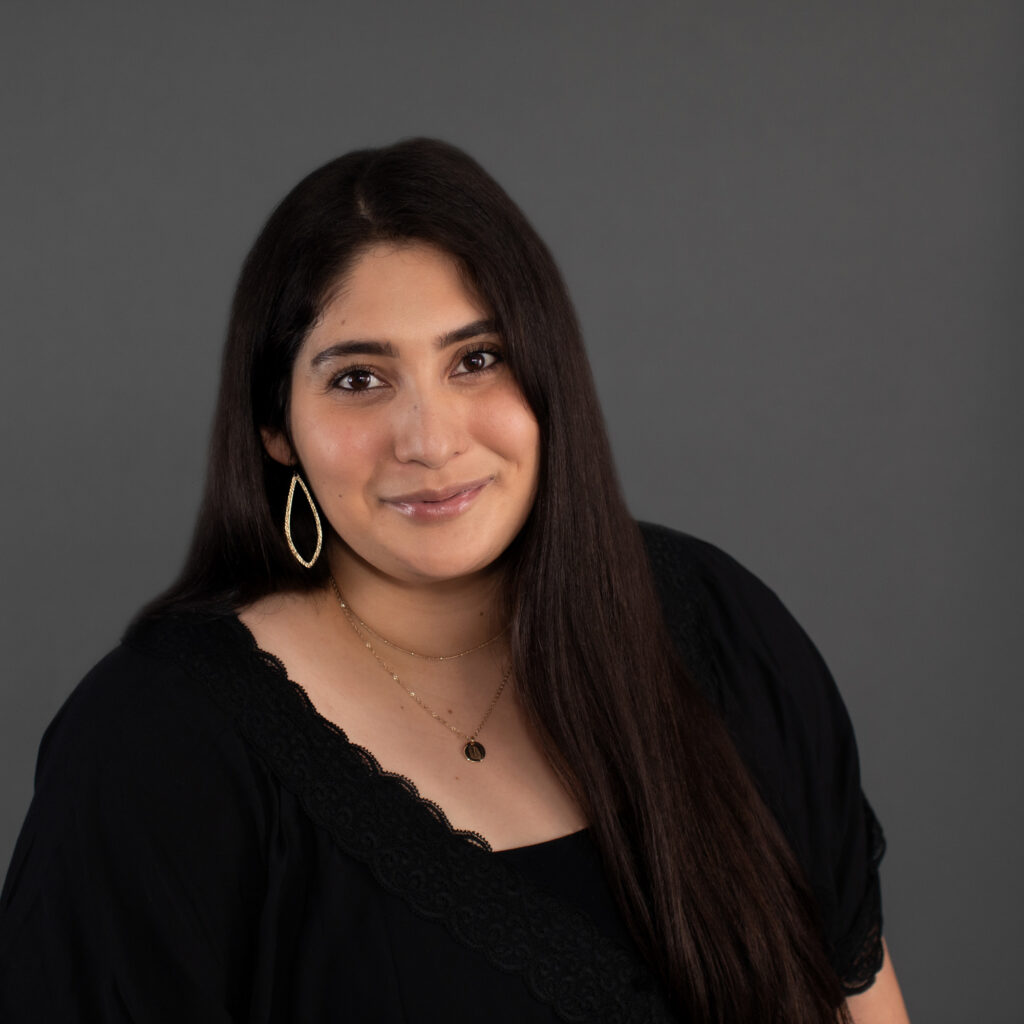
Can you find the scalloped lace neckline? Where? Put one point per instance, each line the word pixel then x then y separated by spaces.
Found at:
pixel 274 663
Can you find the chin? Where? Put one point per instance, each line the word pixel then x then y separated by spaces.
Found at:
pixel 438 554
pixel 437 568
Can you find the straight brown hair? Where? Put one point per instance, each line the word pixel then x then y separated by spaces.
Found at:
pixel 709 887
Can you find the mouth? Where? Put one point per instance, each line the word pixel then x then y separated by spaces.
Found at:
pixel 444 503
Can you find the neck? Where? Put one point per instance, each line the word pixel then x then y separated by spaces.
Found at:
pixel 436 617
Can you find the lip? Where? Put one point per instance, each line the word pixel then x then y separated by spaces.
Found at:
pixel 444 503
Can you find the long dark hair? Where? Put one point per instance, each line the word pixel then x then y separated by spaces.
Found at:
pixel 708 885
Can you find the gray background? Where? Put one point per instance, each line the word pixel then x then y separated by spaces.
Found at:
pixel 794 234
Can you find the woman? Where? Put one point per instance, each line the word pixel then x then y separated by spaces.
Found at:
pixel 429 728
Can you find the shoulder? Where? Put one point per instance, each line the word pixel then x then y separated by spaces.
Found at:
pixel 132 689
pixel 144 731
pixel 767 679
pixel 757 663
pixel 736 623
pixel 135 774
pixel 692 571
pixel 788 721
pixel 146 842
pixel 688 567
pixel 137 689
pixel 733 631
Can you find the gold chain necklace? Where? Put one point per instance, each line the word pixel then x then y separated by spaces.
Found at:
pixel 473 749
pixel 350 612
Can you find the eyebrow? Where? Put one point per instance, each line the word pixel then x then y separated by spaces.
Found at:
pixel 370 347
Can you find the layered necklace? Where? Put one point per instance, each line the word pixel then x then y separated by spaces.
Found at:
pixel 473 749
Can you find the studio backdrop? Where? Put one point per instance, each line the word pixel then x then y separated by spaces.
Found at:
pixel 793 232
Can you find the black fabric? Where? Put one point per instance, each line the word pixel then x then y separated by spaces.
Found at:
pixel 203 847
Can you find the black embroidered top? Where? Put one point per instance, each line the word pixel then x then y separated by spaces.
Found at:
pixel 204 847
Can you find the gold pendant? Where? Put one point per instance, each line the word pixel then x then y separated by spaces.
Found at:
pixel 474 751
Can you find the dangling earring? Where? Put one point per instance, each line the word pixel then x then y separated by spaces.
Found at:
pixel 296 479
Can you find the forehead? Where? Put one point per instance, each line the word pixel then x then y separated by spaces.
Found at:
pixel 398 286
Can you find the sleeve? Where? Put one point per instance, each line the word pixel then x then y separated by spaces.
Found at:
pixel 134 883
pixel 787 718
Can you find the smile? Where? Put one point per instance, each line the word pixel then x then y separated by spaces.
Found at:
pixel 431 505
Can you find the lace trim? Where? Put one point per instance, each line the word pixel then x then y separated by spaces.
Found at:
pixel 410 846
pixel 860 957
pixel 277 666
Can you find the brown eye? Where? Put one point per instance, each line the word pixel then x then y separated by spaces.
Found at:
pixel 357 380
pixel 474 362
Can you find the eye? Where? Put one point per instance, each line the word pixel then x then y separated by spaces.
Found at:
pixel 478 360
pixel 357 379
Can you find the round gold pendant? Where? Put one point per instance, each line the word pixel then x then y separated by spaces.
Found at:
pixel 474 751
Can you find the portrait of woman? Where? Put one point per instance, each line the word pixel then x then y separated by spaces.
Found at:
pixel 510 513
pixel 429 727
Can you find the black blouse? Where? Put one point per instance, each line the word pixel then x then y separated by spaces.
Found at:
pixel 204 847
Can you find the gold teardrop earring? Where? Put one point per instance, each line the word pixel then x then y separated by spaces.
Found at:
pixel 296 479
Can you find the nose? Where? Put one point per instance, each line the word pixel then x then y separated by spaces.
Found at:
pixel 428 430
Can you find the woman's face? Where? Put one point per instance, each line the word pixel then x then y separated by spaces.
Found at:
pixel 408 424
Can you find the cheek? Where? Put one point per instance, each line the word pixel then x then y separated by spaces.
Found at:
pixel 512 430
pixel 336 445
pixel 527 436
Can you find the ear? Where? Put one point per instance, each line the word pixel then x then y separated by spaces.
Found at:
pixel 277 446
